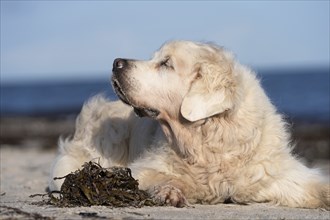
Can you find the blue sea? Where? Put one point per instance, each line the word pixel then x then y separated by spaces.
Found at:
pixel 299 94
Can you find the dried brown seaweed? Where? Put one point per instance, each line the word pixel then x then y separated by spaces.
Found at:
pixel 94 185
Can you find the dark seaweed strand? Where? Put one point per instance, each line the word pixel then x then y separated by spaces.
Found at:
pixel 32 215
pixel 94 185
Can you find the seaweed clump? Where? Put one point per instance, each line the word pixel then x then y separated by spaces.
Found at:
pixel 94 185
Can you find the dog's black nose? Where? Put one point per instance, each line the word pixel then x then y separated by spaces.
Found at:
pixel 119 63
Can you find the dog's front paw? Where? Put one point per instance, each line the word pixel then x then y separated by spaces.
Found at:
pixel 170 195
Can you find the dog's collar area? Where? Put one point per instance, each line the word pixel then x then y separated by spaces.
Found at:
pixel 143 112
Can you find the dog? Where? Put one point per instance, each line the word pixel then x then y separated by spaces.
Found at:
pixel 206 133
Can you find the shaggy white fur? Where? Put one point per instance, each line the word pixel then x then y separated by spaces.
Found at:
pixel 213 134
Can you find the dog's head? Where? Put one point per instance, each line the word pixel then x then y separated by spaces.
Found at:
pixel 186 80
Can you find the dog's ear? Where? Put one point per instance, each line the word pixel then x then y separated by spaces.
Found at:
pixel 211 93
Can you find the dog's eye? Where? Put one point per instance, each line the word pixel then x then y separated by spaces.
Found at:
pixel 166 63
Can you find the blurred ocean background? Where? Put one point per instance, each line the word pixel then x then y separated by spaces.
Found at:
pixel 300 94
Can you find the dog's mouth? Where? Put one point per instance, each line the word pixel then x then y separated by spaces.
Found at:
pixel 118 90
pixel 139 111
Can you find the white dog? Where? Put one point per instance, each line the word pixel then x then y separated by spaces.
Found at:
pixel 211 134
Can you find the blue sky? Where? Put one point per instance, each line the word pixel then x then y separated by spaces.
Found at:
pixel 56 40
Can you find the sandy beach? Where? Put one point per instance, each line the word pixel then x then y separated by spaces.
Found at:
pixel 28 149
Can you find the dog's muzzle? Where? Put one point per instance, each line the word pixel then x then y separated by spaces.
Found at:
pixel 118 69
